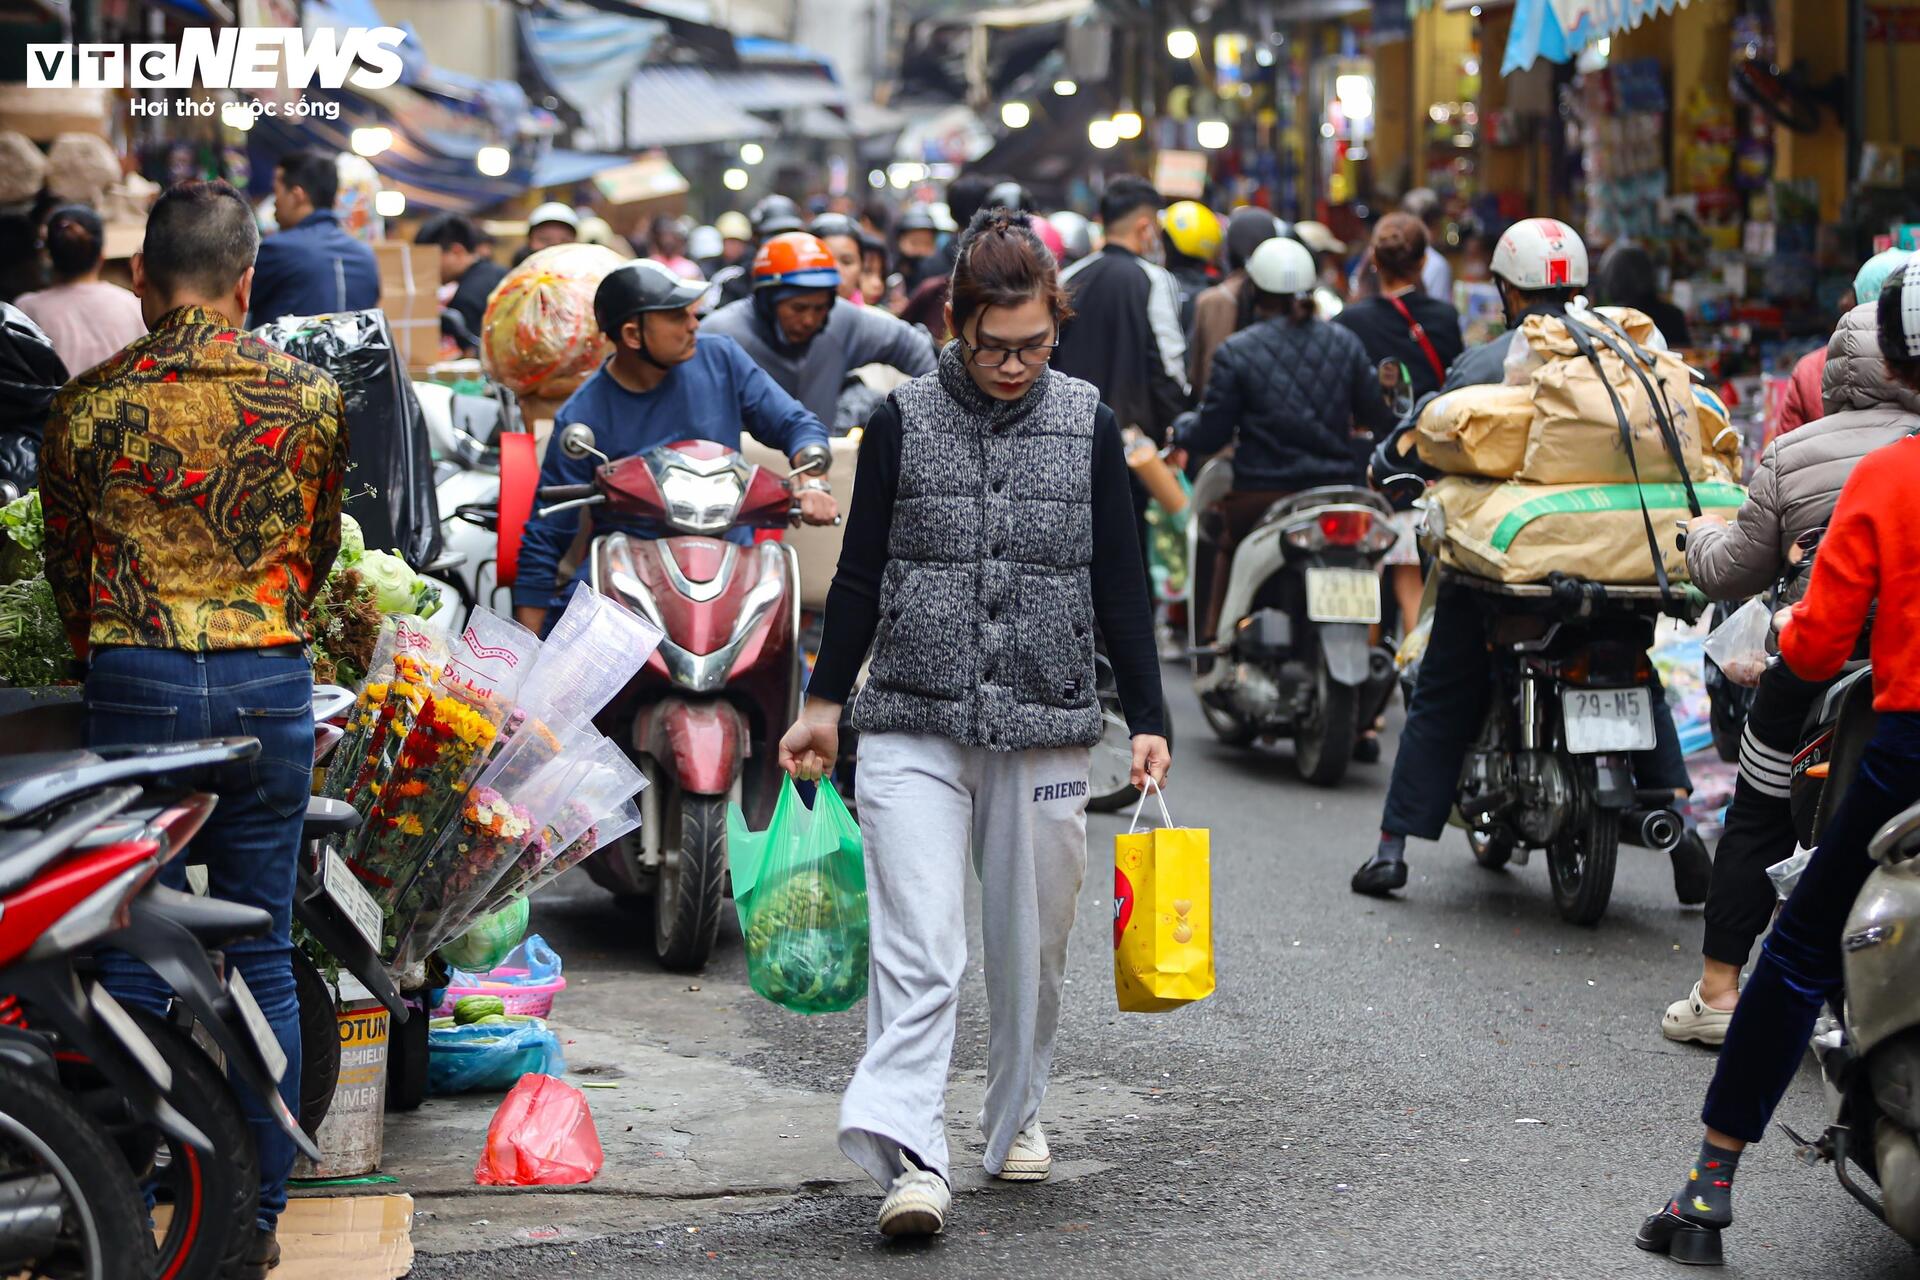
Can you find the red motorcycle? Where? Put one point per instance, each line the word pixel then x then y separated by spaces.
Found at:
pixel 701 716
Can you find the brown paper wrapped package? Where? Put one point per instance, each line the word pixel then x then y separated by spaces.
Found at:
pixel 1477 431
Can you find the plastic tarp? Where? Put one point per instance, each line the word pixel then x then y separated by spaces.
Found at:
pixel 1558 29
pixel 30 372
pixel 390 463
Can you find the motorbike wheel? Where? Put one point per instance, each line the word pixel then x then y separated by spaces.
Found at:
pixel 319 1042
pixel 1491 849
pixel 693 882
pixel 1580 860
pixel 214 1196
pixel 102 1230
pixel 1323 744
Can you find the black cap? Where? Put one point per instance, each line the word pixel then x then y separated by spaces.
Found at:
pixel 638 286
pixel 775 215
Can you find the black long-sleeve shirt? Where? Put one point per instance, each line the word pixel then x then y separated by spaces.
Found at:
pixel 1119 580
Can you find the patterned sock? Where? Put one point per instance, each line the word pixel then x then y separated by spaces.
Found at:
pixel 1706 1197
pixel 1393 847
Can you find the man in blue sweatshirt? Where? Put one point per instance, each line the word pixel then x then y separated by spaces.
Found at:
pixel 666 381
pixel 311 266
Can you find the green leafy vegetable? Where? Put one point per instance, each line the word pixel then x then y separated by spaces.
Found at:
pixel 353 543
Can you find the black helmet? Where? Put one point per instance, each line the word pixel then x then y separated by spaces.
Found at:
pixel 639 286
pixel 915 217
pixel 834 224
pixel 774 215
pixel 1009 195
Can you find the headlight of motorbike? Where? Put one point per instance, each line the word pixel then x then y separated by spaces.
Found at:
pixel 701 504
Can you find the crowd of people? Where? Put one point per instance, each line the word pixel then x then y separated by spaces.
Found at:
pixel 994 527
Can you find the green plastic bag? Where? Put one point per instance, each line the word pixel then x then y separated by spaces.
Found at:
pixel 488 939
pixel 800 887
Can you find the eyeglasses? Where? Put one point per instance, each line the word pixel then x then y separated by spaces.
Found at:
pixel 994 357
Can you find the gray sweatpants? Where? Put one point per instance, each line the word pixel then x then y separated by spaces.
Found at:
pixel 926 802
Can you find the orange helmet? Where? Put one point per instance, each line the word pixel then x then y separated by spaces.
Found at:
pixel 797 260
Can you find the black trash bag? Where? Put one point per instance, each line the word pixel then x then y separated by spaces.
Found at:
pixel 389 458
pixel 30 372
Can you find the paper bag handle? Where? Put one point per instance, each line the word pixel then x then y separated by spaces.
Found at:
pixel 1158 795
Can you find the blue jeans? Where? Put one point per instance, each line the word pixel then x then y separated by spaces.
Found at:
pixel 1449 708
pixel 1800 964
pixel 251 843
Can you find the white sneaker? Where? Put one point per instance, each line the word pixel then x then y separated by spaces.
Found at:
pixel 916 1204
pixel 1028 1159
pixel 1696 1020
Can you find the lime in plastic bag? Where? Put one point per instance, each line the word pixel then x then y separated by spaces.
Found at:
pixel 801 889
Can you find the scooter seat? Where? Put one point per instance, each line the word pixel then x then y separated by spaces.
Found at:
pixel 327 817
pixel 212 921
pixel 37 781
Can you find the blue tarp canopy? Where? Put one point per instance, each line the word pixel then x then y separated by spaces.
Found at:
pixel 1558 29
pixel 559 167
pixel 588 56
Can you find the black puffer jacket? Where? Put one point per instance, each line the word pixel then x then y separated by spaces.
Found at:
pixel 1292 394
pixel 30 372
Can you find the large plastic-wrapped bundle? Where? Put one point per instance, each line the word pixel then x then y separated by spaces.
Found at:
pixel 539 336
pixel 30 372
pixel 1576 436
pixel 1477 431
pixel 80 168
pixel 1526 532
pixel 390 470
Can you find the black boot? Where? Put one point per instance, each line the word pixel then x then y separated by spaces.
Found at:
pixel 1683 1241
pixel 262 1255
pixel 1386 870
pixel 1692 869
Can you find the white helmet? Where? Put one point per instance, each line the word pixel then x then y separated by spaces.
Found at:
pixel 1074 233
pixel 1282 266
pixel 1541 253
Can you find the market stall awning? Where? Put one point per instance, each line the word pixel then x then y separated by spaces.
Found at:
pixel 681 106
pixel 586 55
pixel 559 166
pixel 1558 29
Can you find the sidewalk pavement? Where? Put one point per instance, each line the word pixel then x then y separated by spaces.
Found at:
pixel 689 1133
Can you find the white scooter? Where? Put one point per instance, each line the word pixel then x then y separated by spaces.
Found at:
pixel 465 431
pixel 1291 655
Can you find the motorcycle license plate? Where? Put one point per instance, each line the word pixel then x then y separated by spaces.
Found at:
pixel 1607 720
pixel 257 1025
pixel 354 901
pixel 1343 595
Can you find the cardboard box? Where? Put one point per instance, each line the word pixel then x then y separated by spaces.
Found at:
pixel 339 1237
pixel 409 294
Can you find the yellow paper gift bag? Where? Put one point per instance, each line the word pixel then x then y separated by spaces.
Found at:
pixel 1162 915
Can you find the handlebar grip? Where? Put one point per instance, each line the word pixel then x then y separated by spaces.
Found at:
pixel 565 492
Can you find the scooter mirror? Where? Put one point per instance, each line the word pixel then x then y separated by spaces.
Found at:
pixel 576 441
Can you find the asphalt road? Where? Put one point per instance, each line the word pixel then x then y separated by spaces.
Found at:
pixel 1451 1084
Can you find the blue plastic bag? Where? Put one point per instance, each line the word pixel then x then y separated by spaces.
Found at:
pixel 540 962
pixel 489 1056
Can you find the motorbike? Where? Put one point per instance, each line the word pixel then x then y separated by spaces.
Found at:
pixel 177 1123
pixel 465 430
pixel 1869 1048
pixel 1552 766
pixel 726 676
pixel 1292 654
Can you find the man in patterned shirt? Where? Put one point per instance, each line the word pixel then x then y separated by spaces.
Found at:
pixel 192 490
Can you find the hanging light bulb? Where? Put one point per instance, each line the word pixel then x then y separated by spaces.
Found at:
pixel 1066 88
pixel 390 204
pixel 752 153
pixel 1015 115
pixel 1126 125
pixel 493 161
pixel 734 179
pixel 235 115
pixel 1213 134
pixel 1101 134
pixel 372 141
pixel 1182 43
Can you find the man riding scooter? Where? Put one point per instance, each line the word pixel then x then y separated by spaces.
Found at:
pixel 1540 265
pixel 665 382
pixel 798 328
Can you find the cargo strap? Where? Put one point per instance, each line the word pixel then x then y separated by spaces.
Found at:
pixel 1644 367
pixel 1583 338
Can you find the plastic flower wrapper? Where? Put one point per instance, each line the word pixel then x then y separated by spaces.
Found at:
pixel 406 660
pixel 448 891
pixel 422 794
pixel 591 654
pixel 609 779
pixel 600 835
pixel 528 742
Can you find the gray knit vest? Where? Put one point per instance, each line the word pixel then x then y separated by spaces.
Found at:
pixel 986 607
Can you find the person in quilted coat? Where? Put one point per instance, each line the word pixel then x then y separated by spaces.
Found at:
pixel 1289 392
pixel 1803 401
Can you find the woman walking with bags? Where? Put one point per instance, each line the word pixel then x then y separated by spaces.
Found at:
pixel 991 530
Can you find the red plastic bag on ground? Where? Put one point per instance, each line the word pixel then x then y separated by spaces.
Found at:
pixel 542 1136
